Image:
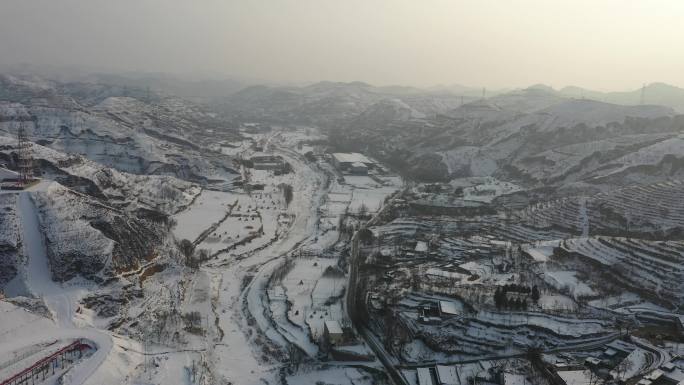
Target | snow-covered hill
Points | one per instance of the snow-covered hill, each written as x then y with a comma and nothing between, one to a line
533,136
164,135
326,103
130,192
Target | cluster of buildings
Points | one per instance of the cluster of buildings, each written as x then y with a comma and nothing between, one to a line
619,352
670,373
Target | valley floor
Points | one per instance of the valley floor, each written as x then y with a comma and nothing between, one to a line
251,310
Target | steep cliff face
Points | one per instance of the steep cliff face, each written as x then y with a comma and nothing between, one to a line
9,238
87,238
114,167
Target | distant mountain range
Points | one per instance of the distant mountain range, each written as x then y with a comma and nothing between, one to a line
653,94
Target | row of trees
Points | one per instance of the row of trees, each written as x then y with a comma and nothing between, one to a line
192,259
288,192
502,301
516,288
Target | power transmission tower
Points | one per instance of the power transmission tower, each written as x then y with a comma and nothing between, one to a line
25,159
643,95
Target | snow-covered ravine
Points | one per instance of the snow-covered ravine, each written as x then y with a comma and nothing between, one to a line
22,330
38,277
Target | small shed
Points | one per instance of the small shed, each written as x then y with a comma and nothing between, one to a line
333,332
447,308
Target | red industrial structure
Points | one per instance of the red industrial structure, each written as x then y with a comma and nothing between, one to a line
42,367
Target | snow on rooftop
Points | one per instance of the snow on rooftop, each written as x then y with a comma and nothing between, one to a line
540,254
351,157
447,375
654,375
421,247
424,377
448,307
575,377
333,327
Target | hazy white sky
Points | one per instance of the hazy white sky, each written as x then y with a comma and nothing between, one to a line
604,44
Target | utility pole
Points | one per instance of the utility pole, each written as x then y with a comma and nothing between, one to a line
25,159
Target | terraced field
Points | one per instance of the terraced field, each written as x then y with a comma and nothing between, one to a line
655,268
652,210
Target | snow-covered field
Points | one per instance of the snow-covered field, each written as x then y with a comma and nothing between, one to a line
368,194
567,280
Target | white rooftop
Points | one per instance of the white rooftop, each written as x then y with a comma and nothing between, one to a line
448,307
351,157
447,375
575,377
538,255
424,377
333,327
421,246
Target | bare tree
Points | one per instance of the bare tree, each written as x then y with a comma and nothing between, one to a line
363,210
